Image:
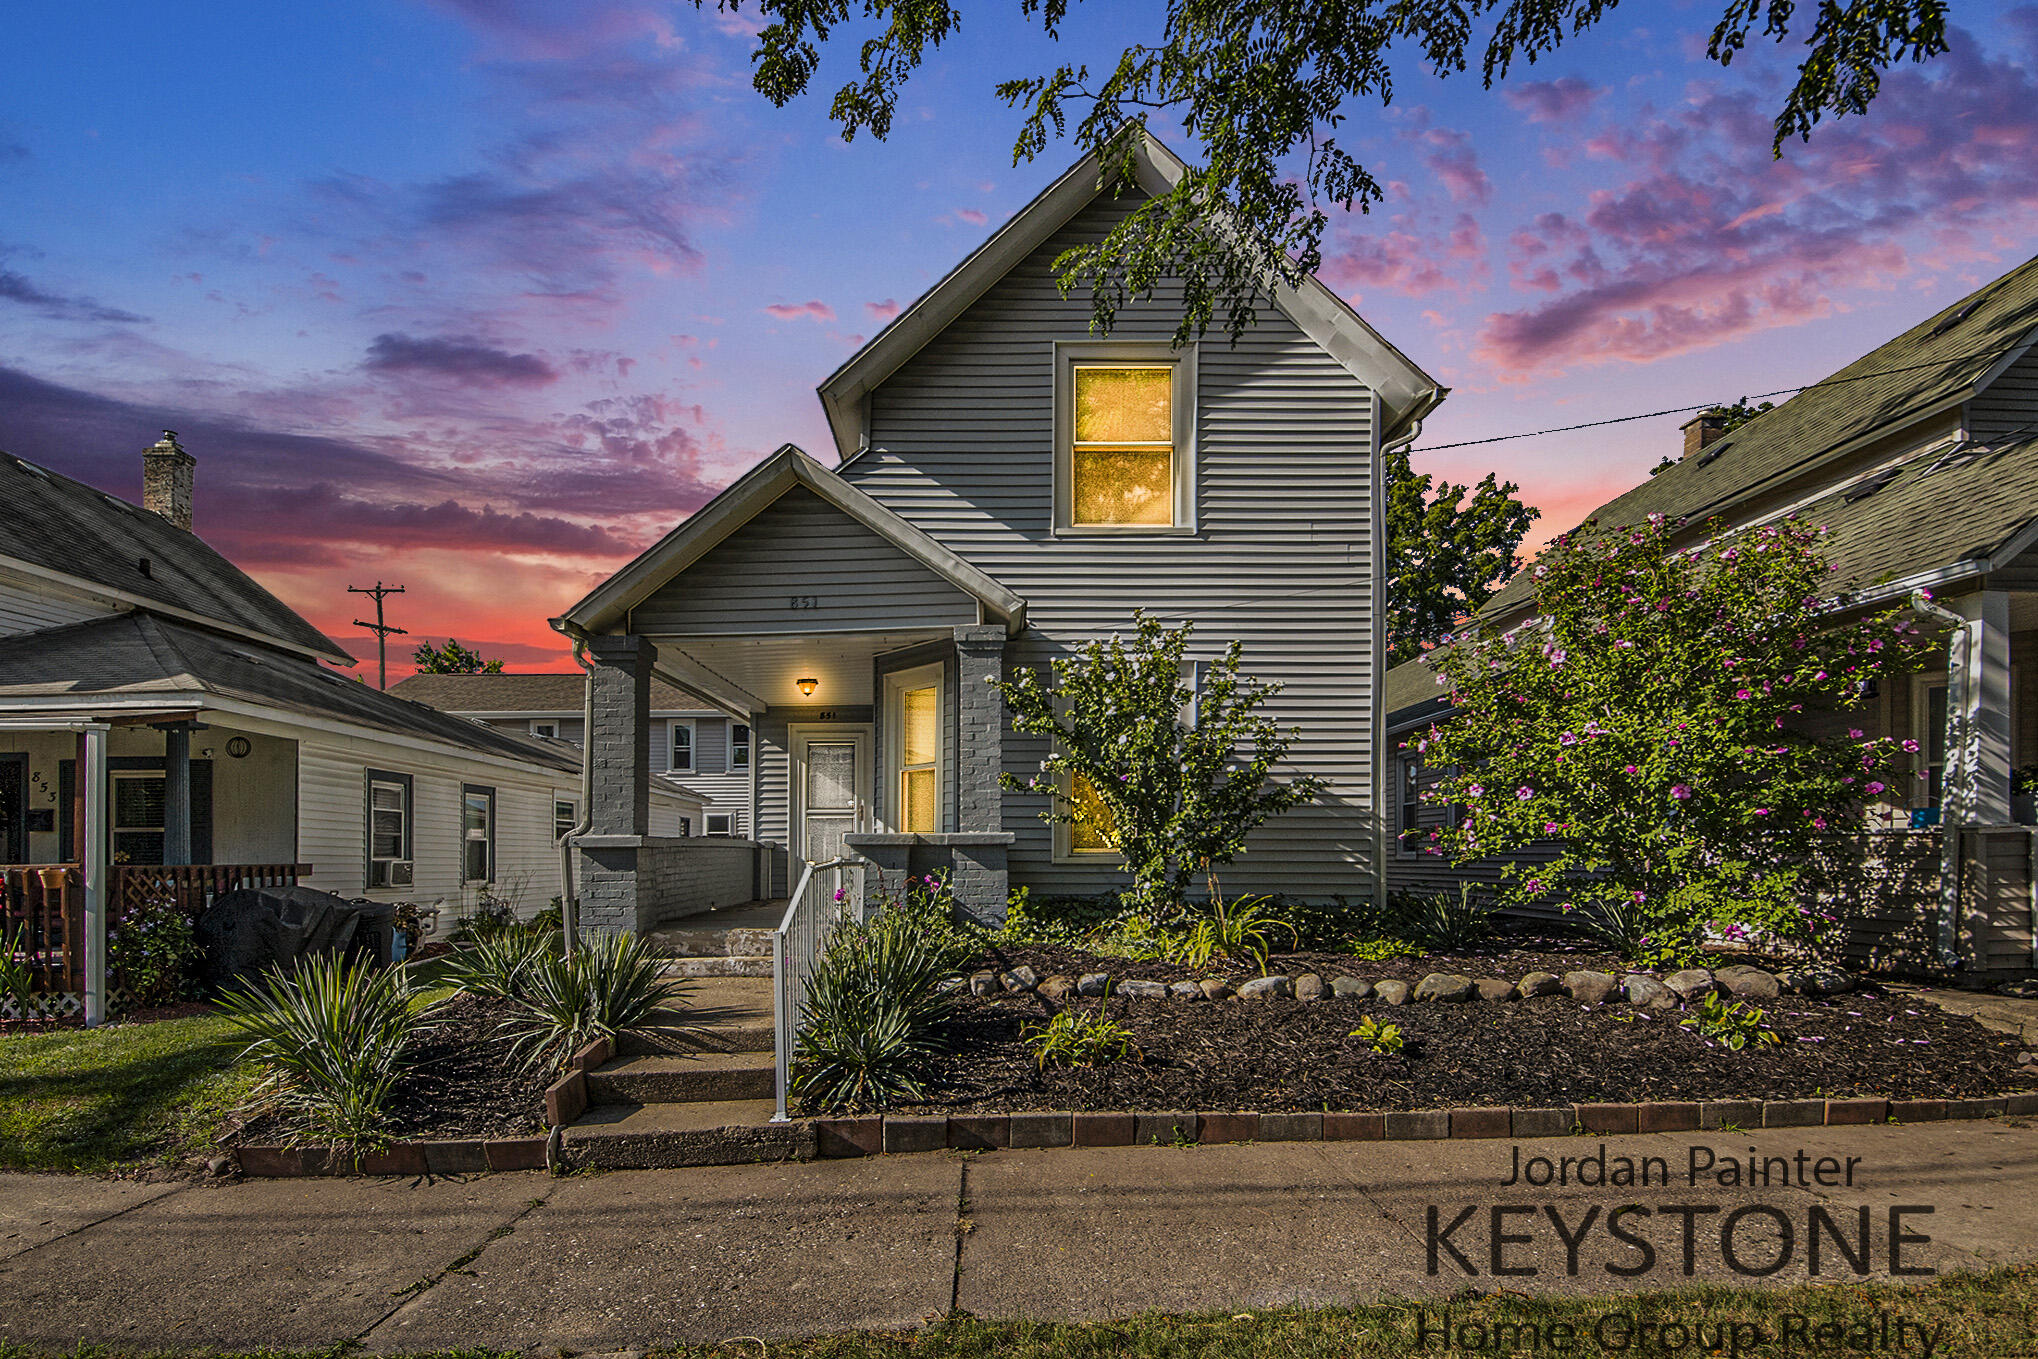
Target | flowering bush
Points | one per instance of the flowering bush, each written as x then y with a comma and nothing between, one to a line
1176,798
152,952
1657,722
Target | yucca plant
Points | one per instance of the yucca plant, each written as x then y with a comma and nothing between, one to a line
498,965
612,984
872,1020
1446,921
331,1037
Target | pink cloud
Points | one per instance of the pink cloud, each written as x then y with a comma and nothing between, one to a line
1548,101
1452,160
1412,261
1710,239
801,311
882,311
972,216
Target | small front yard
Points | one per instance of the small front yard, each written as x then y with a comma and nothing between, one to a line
130,1096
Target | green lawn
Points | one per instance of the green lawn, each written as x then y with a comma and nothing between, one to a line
127,1095
1987,1316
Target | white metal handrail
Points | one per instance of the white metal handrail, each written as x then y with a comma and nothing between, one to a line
825,894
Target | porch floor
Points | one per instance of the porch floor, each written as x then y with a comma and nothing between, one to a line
732,942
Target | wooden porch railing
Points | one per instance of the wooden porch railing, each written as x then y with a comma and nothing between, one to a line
192,886
42,914
42,906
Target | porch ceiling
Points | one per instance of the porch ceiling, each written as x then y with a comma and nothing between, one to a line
769,667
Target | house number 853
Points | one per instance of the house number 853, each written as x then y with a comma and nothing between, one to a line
806,601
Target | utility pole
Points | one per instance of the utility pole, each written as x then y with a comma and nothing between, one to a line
379,628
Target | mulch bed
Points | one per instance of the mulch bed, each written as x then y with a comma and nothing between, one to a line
461,1082
1286,1055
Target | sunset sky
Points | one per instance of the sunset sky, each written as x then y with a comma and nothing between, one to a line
482,296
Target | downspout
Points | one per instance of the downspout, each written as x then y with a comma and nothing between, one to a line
569,897
1957,645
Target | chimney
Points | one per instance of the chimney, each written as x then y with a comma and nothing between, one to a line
166,480
1703,429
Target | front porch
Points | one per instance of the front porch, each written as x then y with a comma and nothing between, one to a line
864,657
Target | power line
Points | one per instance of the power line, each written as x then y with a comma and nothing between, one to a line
1711,405
381,629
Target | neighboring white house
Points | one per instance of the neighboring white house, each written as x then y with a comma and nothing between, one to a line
698,748
228,742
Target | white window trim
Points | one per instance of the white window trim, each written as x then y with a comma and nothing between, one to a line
1067,354
672,764
935,674
538,729
486,836
729,829
1404,845
746,745
571,819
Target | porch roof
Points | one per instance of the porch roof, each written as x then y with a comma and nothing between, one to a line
138,656
609,605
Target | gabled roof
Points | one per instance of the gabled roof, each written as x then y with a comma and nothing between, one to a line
1932,367
547,693
611,602
139,654
66,530
1406,392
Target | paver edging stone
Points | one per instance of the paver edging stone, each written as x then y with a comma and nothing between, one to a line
896,1133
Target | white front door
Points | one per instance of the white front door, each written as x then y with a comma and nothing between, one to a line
831,770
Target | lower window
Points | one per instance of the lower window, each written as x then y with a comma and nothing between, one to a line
477,827
138,801
721,823
1096,832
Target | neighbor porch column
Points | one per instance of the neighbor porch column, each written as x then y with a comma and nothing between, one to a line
619,744
176,794
980,723
1978,754
92,856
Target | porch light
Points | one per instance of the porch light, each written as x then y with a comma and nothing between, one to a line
806,684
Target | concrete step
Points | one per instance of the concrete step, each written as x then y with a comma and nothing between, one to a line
710,1014
656,1136
680,942
719,966
682,1078
672,1039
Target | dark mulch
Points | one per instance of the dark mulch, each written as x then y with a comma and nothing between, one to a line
461,1081
1290,1055
1511,955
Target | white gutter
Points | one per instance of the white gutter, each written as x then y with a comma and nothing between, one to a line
569,896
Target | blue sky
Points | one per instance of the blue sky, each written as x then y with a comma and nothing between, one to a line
484,296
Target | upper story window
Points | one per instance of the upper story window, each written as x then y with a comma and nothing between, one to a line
545,729
682,747
739,746
1124,452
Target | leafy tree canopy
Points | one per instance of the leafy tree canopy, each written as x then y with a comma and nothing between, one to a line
1674,723
452,659
1446,553
1257,82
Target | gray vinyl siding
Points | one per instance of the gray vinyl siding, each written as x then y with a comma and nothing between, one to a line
1283,558
28,605
2008,407
801,548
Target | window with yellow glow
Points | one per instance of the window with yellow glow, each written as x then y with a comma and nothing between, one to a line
1122,454
919,759
1095,832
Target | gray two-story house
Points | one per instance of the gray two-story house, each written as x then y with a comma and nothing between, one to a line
1009,486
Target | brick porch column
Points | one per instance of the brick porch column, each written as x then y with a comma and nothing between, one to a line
618,751
980,714
619,744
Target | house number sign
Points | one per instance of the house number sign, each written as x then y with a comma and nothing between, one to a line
805,602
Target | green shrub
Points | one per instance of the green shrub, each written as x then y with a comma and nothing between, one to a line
1733,1024
152,952
1244,931
498,965
1383,1038
17,972
1379,949
330,1039
872,1021
612,984
1081,1038
1063,920
1444,921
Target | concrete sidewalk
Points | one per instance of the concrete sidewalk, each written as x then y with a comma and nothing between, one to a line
631,1259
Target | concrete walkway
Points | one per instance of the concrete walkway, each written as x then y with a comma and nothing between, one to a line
631,1259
